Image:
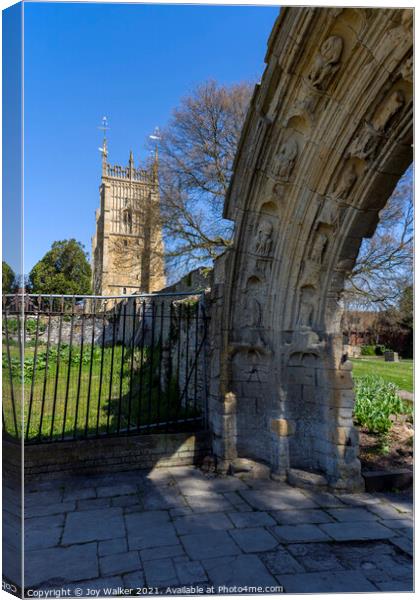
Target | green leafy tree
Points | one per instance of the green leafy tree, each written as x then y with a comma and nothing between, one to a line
8,278
63,270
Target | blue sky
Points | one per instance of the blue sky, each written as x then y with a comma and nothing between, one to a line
132,63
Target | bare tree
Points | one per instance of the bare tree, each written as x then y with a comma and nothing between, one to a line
196,153
384,267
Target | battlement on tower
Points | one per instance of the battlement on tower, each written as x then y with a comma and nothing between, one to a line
134,174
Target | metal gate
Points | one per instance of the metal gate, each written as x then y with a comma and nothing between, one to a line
88,366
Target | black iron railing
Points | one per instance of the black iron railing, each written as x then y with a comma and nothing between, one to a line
87,366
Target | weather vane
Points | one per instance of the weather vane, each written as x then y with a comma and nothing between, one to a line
104,127
155,135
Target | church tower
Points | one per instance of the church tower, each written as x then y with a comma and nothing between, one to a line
127,248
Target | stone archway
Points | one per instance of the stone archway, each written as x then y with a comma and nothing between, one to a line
326,139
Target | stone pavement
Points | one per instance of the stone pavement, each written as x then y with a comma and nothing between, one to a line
181,527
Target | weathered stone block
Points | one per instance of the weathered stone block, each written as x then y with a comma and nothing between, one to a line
282,427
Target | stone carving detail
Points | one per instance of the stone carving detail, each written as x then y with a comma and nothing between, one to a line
306,307
264,239
388,110
249,365
345,183
286,158
319,247
365,144
251,318
326,63
407,70
329,214
252,310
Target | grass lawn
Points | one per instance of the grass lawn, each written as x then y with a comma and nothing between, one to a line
400,373
94,392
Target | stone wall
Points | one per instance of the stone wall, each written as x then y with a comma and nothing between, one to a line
105,455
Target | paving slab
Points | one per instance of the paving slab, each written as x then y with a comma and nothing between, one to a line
93,525
364,549
323,499
93,503
281,499
103,586
118,564
402,501
326,582
70,564
42,498
237,501
201,522
197,486
295,517
115,546
399,524
209,544
160,573
41,523
316,557
254,539
79,494
251,519
182,511
137,521
359,499
404,544
40,510
189,571
396,586
174,551
209,502
352,514
362,530
46,538
281,562
127,500
163,501
152,536
116,490
244,570
300,533
134,580
384,510
378,567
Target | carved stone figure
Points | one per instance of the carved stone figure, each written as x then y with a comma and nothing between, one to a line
286,158
264,240
307,307
319,247
326,62
365,144
345,183
253,309
390,108
329,213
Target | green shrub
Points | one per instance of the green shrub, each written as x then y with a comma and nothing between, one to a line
367,350
376,401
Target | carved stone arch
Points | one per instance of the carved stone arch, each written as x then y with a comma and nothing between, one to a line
352,122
